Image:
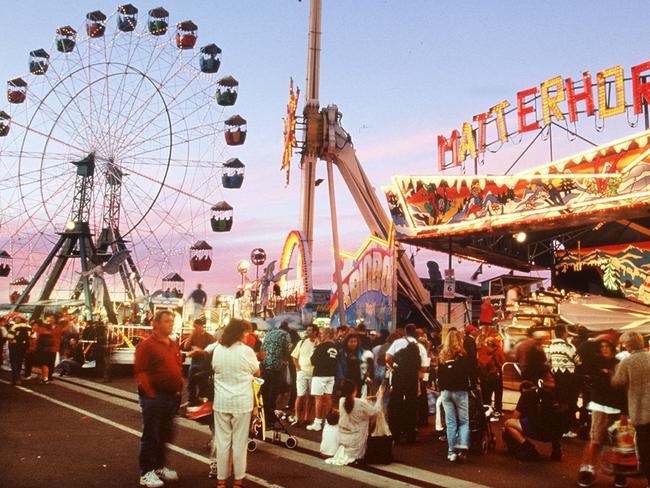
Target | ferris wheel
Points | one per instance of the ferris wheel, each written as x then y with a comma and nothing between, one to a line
148,105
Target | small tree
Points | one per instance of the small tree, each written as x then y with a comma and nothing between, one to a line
610,278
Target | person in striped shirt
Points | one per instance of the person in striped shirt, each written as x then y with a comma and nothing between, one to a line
563,366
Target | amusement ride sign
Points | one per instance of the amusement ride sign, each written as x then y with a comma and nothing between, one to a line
367,286
561,99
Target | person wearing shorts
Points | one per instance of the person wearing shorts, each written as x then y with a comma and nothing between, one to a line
322,383
301,357
606,405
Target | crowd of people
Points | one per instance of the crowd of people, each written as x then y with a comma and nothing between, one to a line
58,342
337,381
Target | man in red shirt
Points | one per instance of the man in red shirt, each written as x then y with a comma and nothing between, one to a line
160,382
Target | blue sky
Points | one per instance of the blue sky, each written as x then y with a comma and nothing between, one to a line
401,72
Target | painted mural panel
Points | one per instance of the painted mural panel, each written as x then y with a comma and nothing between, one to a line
367,287
611,177
625,267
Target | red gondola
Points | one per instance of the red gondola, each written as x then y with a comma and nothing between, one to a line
201,256
235,130
95,23
17,286
186,34
16,90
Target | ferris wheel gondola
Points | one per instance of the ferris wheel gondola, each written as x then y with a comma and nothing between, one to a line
143,104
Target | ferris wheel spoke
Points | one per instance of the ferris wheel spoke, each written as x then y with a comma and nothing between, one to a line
46,136
161,134
55,112
166,108
178,163
71,131
138,110
87,126
33,211
178,143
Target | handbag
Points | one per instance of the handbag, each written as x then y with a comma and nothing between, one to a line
619,454
380,443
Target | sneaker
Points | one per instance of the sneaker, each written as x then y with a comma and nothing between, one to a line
293,420
317,426
203,410
452,457
151,480
213,470
586,476
442,438
570,435
167,474
44,381
620,481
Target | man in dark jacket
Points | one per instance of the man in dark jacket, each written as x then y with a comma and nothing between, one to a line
469,344
405,357
19,336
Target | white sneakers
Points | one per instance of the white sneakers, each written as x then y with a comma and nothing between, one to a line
452,457
317,426
167,474
156,479
151,480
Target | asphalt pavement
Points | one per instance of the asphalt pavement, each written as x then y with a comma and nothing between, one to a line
76,432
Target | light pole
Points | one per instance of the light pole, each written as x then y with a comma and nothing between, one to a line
242,268
258,258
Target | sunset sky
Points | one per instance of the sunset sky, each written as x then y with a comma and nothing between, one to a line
400,72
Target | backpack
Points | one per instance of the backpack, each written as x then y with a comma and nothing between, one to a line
550,412
21,338
406,365
44,342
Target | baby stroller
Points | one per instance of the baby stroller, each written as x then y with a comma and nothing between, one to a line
481,436
258,422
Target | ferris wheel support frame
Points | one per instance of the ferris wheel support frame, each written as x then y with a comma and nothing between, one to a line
77,234
110,235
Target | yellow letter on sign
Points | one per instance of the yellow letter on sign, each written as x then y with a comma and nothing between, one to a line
549,102
467,143
604,109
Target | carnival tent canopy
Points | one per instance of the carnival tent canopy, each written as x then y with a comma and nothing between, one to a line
598,313
598,197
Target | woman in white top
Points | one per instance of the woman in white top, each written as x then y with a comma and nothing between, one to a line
355,414
234,365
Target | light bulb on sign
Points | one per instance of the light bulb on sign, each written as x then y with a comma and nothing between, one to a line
520,237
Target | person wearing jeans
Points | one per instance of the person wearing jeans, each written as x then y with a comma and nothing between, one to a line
456,405
455,379
159,377
158,414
